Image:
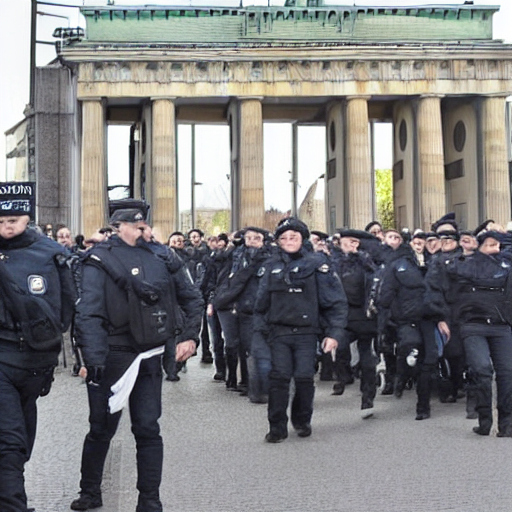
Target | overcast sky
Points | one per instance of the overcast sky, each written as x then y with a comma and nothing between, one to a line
15,39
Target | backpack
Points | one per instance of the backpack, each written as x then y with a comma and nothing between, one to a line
35,318
151,317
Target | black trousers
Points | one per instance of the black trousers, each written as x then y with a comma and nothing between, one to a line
489,349
19,391
291,356
367,360
145,410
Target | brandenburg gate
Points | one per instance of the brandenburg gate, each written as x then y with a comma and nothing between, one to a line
433,71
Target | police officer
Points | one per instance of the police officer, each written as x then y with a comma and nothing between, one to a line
233,299
480,299
402,300
108,342
438,287
301,299
35,287
197,261
356,270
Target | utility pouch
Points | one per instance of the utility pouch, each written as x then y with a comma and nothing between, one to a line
151,320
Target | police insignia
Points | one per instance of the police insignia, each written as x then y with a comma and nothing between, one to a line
261,271
36,285
324,268
135,271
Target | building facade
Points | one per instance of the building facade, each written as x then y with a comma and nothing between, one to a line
433,71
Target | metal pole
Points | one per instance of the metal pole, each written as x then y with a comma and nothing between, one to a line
295,168
33,31
193,176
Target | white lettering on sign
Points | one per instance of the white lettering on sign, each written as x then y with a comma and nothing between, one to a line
21,205
13,188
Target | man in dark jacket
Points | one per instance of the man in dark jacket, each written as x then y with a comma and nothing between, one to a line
110,345
36,304
196,261
233,299
480,300
438,287
356,270
402,301
300,299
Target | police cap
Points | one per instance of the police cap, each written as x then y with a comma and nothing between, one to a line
292,224
131,215
484,235
355,233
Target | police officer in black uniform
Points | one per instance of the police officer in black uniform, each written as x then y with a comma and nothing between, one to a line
438,286
300,299
356,270
108,342
233,299
480,299
402,300
36,304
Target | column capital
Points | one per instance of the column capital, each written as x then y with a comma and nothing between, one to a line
495,95
432,95
170,98
99,99
245,98
366,97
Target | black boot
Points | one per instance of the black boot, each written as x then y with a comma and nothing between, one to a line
86,501
278,397
232,364
423,390
398,387
302,406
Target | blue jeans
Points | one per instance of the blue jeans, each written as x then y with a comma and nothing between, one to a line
145,410
489,347
19,390
259,364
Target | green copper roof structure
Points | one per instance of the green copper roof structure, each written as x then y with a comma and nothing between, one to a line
337,23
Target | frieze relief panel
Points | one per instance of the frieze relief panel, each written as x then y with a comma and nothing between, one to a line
292,71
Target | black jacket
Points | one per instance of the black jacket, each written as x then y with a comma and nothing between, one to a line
356,271
237,282
403,288
300,294
478,288
102,318
38,266
438,286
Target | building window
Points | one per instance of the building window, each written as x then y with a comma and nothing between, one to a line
459,136
402,135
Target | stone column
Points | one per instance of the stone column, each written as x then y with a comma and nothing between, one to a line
358,158
495,164
93,195
250,163
431,161
163,179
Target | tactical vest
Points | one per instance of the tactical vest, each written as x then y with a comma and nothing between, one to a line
293,299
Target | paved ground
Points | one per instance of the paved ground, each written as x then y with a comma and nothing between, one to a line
217,461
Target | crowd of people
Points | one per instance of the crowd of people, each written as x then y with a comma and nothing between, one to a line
270,310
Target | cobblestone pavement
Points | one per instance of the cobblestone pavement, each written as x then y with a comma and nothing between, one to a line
217,461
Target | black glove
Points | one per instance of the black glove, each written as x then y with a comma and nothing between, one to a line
94,375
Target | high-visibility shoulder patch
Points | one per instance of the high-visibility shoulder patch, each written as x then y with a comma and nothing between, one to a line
36,284
261,272
324,268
